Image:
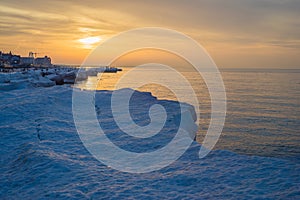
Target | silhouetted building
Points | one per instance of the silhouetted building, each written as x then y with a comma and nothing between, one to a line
27,60
15,60
43,61
6,57
11,60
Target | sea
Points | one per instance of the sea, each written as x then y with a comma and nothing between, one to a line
263,106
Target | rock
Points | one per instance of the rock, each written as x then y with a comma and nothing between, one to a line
58,79
92,72
69,77
81,76
69,81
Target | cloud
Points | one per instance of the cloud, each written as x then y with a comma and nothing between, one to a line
240,23
245,18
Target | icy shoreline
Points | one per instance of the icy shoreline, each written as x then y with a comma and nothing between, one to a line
42,157
48,77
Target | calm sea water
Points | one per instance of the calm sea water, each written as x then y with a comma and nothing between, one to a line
263,108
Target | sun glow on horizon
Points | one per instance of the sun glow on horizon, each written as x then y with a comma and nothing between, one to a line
89,41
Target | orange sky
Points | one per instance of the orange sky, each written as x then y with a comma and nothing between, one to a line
236,33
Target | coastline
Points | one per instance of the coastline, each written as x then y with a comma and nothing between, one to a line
55,164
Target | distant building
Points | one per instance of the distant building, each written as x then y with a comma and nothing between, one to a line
6,57
11,60
43,61
27,60
15,60
1,60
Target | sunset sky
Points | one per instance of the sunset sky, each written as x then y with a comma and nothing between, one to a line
236,33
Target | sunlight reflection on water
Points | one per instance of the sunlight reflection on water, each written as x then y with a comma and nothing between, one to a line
263,109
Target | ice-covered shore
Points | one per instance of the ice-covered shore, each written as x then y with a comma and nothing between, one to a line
47,77
42,157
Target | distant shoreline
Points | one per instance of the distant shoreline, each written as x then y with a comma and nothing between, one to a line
261,70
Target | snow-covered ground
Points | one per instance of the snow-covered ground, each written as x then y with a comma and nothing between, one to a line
22,78
42,157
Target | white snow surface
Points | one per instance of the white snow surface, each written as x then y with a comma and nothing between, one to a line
39,78
42,157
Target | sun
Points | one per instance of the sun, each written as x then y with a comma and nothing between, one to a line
89,41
